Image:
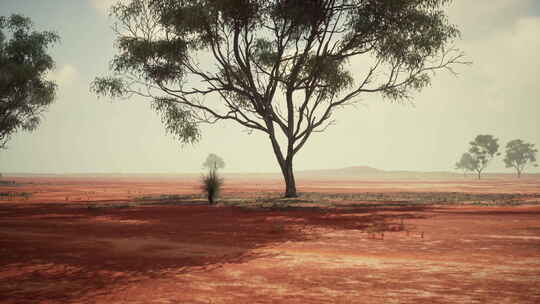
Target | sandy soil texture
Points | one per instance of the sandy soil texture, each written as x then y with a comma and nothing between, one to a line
122,240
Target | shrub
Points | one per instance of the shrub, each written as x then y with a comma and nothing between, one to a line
211,184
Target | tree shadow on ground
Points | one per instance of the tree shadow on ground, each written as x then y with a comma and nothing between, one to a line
81,252
500,212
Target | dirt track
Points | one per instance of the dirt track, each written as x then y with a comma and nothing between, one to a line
60,246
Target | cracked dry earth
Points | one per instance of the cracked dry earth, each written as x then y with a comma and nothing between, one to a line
68,253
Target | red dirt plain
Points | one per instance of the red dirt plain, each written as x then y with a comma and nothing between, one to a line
93,240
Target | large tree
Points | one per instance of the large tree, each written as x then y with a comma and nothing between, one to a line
519,154
279,67
25,93
482,150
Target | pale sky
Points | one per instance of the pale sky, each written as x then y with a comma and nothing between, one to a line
499,95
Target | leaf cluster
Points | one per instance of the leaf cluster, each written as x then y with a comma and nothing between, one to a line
177,120
214,162
466,163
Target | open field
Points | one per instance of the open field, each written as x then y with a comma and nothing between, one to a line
151,240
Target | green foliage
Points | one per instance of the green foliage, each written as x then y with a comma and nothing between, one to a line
213,162
25,93
265,52
211,185
211,182
466,163
519,154
111,86
484,145
177,120
482,150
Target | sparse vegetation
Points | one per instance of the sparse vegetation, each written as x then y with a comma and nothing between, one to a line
96,207
166,197
519,154
12,195
482,150
327,201
211,185
212,182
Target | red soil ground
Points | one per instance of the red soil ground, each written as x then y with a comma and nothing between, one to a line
55,249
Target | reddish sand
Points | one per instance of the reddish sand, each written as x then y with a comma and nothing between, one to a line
54,248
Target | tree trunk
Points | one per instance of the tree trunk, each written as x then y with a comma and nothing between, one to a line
286,165
288,176
479,172
519,173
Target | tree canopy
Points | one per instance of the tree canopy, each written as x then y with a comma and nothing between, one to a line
214,162
519,154
466,163
280,67
482,150
25,93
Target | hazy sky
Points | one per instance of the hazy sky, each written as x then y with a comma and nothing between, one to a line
499,94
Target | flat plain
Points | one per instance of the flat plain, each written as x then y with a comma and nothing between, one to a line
152,239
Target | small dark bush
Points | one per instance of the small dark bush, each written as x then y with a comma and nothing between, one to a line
211,184
11,194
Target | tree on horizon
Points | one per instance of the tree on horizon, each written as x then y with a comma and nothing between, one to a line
519,154
213,162
482,150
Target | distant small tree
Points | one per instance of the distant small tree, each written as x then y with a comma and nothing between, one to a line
212,182
482,150
519,154
465,163
25,93
213,161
